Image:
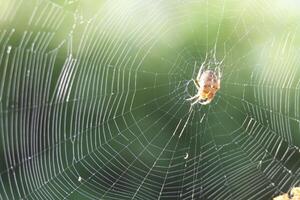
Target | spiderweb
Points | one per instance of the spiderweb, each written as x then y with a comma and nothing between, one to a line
93,102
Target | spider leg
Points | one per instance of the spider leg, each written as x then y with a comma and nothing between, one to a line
195,102
191,98
192,104
200,71
196,83
218,72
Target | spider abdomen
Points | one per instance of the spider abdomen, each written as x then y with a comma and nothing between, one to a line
209,85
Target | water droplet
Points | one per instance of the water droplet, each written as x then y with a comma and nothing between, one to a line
8,49
186,156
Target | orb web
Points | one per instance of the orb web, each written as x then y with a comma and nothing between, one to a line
93,100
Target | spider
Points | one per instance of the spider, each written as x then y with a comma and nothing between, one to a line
207,83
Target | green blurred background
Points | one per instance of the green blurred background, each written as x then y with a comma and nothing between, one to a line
93,99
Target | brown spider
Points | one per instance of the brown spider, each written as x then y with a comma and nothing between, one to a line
207,83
